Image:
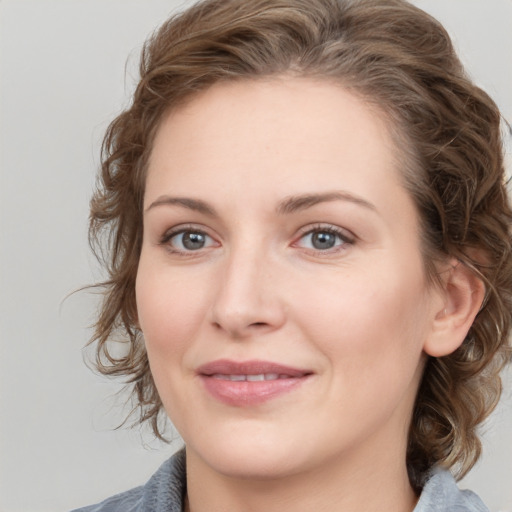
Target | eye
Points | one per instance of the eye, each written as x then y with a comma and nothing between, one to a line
187,240
324,239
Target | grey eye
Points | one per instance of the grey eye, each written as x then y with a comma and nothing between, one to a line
193,241
190,240
323,240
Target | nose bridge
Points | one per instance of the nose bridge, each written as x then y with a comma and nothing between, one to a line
247,299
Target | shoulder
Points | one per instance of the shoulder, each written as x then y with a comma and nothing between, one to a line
163,492
441,494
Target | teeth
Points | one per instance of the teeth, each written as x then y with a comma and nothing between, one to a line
235,377
254,378
250,378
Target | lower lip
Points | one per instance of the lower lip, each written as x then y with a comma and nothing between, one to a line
246,393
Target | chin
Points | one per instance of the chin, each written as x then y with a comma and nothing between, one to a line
249,459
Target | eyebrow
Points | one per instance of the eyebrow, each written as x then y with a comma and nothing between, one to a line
287,206
302,202
186,202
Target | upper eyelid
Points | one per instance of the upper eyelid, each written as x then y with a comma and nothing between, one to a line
344,232
180,228
165,240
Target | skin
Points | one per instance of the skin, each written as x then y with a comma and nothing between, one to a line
360,315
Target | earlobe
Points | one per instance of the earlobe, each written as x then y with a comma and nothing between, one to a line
462,296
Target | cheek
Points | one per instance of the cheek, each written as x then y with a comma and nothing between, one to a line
372,341
372,320
170,308
171,311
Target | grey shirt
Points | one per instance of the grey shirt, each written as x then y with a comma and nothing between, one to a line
165,491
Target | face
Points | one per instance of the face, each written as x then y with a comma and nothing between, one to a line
281,288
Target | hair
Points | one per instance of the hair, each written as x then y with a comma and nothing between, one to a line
448,141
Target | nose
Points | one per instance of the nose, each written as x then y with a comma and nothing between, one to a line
248,296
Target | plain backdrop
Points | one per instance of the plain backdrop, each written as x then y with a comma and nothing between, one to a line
64,75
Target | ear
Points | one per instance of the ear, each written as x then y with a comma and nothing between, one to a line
461,296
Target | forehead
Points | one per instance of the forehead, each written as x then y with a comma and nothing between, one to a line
302,132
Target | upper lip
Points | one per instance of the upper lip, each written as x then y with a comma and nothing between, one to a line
254,367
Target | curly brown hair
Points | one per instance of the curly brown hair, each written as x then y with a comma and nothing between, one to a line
447,133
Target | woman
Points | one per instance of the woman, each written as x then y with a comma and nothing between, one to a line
309,258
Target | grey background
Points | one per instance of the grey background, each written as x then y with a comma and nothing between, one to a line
63,76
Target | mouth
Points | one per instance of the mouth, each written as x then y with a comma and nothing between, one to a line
250,377
249,383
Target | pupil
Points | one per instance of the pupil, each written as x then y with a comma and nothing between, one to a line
193,240
323,240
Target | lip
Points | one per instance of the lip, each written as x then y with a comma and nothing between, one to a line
216,377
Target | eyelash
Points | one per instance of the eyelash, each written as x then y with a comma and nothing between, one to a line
341,234
346,238
180,230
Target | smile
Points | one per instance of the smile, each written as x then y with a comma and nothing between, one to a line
250,377
249,383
